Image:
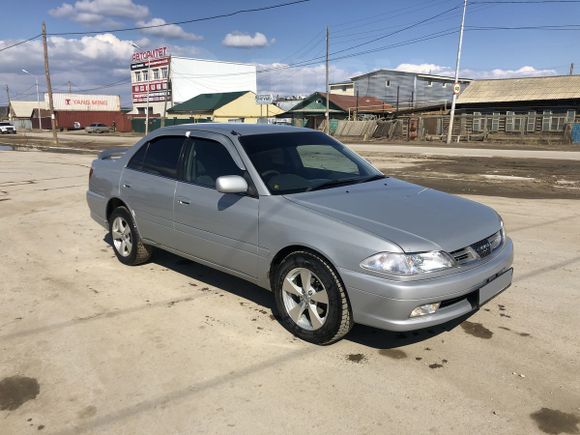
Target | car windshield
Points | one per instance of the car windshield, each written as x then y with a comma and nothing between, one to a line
5,123
305,161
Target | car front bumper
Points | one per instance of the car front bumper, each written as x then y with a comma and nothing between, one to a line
387,303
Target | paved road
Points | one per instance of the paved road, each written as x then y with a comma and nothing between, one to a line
468,152
89,346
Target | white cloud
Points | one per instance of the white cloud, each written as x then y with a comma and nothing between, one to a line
246,40
497,73
88,62
425,68
97,11
296,81
171,31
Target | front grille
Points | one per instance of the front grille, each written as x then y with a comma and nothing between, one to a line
478,250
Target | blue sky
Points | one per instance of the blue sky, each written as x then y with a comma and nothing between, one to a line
284,36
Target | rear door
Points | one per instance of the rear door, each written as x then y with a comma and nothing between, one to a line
148,187
213,226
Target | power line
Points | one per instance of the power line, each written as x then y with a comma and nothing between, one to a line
561,27
16,44
523,2
193,20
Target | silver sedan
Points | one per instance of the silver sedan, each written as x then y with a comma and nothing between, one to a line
297,212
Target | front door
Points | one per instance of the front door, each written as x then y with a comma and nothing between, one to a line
213,226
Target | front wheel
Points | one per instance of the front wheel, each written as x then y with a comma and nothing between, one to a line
311,299
127,243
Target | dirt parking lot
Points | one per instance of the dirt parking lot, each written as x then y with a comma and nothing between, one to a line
88,345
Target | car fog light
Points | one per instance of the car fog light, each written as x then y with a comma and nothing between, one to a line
423,310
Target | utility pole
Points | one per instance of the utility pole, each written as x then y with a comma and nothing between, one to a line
69,87
148,90
456,83
49,85
397,99
167,93
327,112
8,96
572,69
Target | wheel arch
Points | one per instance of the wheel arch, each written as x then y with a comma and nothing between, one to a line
112,204
284,252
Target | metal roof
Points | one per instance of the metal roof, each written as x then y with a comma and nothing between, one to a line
207,102
521,89
24,109
418,74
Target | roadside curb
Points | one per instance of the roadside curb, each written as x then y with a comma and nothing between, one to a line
51,149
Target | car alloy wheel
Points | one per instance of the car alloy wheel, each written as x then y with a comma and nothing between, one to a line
305,299
122,238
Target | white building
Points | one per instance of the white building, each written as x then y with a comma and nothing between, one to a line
172,79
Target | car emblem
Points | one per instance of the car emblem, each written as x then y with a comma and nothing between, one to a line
482,248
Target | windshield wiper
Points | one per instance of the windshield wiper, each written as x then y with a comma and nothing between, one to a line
344,181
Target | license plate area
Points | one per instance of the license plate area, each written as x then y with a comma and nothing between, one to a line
495,287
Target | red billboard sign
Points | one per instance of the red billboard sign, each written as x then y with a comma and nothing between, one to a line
149,55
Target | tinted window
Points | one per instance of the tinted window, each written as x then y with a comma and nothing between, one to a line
163,155
208,160
138,158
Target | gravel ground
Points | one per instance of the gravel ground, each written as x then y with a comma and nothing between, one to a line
88,345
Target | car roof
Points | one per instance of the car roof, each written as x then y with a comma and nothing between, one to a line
235,129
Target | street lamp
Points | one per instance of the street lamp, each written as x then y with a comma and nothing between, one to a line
37,97
148,85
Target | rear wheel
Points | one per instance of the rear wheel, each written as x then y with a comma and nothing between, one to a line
311,299
127,243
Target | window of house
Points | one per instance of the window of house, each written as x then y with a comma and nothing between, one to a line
155,74
163,155
547,120
430,83
531,125
495,121
477,124
388,84
145,76
570,116
137,76
164,72
206,161
558,123
509,121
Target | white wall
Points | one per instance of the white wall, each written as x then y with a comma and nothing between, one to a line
191,77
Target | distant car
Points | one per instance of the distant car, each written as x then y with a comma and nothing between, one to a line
7,128
98,128
297,212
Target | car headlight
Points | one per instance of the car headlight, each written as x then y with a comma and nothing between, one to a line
408,264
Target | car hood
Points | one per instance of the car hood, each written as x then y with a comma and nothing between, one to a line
414,217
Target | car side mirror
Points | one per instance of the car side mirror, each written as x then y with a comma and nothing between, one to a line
231,184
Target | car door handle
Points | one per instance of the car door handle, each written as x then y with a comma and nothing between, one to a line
183,202
127,186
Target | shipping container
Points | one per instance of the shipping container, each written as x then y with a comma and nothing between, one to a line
66,119
85,103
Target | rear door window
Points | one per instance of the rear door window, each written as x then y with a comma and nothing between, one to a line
162,156
138,158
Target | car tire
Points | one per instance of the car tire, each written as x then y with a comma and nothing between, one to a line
127,243
318,312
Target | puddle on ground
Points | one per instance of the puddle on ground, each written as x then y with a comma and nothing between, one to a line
356,357
554,421
393,353
6,148
476,329
16,390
